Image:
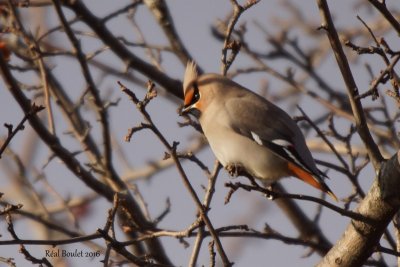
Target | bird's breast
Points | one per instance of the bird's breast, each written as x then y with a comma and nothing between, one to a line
231,147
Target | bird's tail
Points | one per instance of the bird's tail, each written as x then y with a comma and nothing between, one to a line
311,179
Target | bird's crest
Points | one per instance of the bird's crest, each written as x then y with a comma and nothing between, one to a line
190,74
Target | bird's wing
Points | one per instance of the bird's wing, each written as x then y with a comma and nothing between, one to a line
266,124
269,126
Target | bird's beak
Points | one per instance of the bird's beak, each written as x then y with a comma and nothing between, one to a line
192,109
185,110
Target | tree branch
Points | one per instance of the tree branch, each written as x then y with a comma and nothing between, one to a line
171,150
12,132
160,11
352,90
361,238
171,85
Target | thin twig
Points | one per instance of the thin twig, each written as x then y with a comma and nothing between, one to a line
102,111
13,131
234,46
277,195
171,150
207,201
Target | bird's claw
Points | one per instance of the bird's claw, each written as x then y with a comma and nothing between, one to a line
270,191
234,169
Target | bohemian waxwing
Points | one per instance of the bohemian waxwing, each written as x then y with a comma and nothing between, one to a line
246,130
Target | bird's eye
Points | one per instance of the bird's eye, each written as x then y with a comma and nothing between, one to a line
196,95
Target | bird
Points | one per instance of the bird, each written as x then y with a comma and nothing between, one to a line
246,130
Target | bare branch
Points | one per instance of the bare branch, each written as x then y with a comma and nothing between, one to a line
172,152
352,90
161,12
12,132
230,44
381,7
380,205
171,85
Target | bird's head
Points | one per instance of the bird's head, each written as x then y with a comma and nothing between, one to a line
201,90
191,92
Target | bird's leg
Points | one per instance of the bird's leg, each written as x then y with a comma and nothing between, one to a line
231,169
234,169
270,188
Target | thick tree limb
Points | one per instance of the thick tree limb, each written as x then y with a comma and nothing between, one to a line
381,203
